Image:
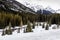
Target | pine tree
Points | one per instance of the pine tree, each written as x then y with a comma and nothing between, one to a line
49,22
37,23
33,25
29,28
58,24
40,24
21,23
43,25
47,28
6,31
50,25
18,30
9,29
3,33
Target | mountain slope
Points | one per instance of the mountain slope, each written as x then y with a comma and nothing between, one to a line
44,12
13,5
50,9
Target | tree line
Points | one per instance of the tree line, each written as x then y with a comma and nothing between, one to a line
18,19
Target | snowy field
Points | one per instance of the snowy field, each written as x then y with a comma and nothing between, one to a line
37,34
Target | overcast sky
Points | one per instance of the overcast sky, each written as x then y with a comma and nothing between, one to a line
54,4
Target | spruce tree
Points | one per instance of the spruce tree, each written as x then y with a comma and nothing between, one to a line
18,30
43,25
6,31
33,25
28,28
50,25
9,29
3,33
40,24
37,23
58,24
21,23
47,27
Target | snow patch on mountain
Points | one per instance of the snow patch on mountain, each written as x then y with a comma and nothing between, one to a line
38,4
50,9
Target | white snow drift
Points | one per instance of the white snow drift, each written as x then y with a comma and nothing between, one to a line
37,34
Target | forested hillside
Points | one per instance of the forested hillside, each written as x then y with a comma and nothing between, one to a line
11,12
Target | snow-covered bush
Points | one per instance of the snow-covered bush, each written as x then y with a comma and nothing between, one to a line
54,27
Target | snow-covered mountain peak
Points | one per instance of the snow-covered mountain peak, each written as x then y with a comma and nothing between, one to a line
50,9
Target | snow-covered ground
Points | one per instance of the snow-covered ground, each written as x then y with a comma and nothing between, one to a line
37,34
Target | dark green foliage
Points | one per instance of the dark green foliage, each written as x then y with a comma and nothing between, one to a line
15,19
6,17
51,18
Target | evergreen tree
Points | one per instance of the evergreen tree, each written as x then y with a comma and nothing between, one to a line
47,28
6,31
28,28
58,24
33,25
37,23
40,24
3,33
18,30
43,25
9,31
21,23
